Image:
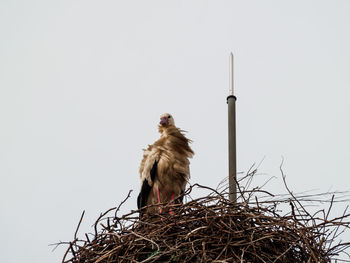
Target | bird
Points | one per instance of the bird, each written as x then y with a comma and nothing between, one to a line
164,169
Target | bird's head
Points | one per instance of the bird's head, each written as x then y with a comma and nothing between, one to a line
166,120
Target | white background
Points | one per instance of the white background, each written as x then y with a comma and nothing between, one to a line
82,85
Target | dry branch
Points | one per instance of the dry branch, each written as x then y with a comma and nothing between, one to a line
212,229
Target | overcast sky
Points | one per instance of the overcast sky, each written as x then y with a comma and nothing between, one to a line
83,83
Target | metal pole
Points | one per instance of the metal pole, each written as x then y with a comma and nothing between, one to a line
232,157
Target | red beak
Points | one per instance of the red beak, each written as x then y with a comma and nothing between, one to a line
163,121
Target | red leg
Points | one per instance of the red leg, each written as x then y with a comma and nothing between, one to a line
158,194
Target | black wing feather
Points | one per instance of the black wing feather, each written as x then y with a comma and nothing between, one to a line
146,189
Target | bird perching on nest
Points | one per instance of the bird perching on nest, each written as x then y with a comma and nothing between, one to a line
164,169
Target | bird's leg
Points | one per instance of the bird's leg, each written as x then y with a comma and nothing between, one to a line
171,212
158,194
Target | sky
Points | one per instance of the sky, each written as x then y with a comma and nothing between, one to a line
83,83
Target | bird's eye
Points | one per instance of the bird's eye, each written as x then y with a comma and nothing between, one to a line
169,117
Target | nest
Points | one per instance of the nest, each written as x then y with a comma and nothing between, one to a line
213,229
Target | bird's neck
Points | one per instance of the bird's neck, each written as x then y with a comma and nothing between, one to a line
164,131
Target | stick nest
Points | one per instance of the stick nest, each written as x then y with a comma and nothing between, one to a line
213,229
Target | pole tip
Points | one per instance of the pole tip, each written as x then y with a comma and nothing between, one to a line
231,75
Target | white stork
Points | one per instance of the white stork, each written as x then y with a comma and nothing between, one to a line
164,169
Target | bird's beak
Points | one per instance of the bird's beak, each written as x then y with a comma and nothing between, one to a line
163,121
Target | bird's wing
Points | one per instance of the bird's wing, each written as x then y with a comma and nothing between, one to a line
146,188
149,158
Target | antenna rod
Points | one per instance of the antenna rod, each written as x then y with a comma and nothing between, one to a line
232,157
231,75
